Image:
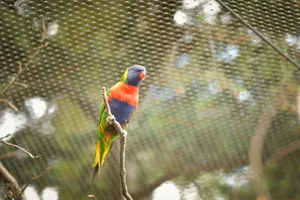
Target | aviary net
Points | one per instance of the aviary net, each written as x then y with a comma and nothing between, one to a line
218,115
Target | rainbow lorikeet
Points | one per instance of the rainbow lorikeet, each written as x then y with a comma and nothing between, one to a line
123,101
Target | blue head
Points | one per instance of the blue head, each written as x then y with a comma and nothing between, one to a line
134,75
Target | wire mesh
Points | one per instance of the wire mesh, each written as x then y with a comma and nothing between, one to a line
214,90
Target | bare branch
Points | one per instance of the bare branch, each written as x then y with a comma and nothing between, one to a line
5,136
20,69
41,174
22,84
10,104
107,107
44,33
256,148
13,190
36,177
123,169
24,150
112,122
289,148
10,178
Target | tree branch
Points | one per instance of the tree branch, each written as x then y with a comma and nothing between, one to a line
256,148
35,177
10,178
22,149
20,70
284,151
10,104
13,190
22,84
111,120
41,174
123,169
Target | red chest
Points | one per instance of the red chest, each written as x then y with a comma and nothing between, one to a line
125,93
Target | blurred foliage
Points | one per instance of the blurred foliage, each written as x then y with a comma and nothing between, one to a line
207,86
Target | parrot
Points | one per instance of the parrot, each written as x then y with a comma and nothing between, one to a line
123,100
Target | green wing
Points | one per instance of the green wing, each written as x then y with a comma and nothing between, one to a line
105,136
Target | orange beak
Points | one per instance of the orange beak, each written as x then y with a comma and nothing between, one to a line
142,75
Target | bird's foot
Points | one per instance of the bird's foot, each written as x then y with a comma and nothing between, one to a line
110,119
123,133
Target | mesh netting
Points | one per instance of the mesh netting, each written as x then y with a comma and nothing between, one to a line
217,115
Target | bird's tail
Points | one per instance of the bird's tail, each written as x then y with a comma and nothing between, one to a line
97,162
100,156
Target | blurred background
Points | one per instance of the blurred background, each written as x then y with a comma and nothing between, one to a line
219,110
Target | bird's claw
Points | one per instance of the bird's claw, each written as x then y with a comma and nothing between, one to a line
123,133
110,119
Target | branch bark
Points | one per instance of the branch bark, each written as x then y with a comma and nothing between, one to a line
13,106
111,120
255,151
41,174
13,190
284,151
256,146
7,176
22,149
